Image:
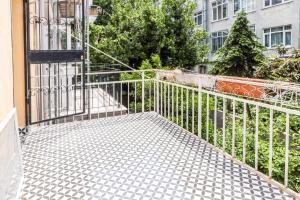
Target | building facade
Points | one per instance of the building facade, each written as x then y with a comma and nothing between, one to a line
275,22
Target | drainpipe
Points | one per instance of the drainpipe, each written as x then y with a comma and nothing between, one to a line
206,5
206,15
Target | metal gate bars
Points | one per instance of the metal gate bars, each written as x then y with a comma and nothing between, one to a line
55,59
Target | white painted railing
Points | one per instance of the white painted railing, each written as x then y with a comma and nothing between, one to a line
261,135
206,114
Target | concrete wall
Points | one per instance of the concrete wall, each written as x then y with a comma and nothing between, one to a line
283,14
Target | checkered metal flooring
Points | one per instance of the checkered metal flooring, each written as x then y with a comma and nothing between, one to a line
140,156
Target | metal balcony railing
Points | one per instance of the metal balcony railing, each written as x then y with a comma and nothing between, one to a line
258,134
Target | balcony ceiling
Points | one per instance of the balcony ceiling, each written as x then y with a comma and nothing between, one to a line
140,156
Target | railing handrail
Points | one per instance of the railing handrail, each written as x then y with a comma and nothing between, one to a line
248,101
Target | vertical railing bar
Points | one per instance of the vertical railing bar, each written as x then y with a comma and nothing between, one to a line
75,89
165,100
92,97
168,100
150,96
143,91
104,100
98,100
154,96
177,118
207,117
157,95
193,110
58,91
49,91
287,138
118,100
114,99
82,91
224,124
187,109
271,143
256,135
233,128
121,98
172,103
215,119
67,87
103,96
40,96
181,106
161,98
135,97
244,132
128,97
200,111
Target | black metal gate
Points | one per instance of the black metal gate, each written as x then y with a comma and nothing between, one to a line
55,35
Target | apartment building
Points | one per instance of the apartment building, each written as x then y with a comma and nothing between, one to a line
275,22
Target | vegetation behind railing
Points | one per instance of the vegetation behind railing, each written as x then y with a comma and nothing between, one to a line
241,127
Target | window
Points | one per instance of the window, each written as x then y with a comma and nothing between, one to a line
274,2
278,35
199,18
252,28
220,8
218,39
247,5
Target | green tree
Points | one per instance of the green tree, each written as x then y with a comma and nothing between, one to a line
184,42
104,14
241,52
138,29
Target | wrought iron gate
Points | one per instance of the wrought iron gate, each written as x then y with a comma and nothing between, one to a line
55,35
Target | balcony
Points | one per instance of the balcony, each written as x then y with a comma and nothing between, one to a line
160,139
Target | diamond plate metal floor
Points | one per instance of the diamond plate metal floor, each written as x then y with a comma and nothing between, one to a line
140,156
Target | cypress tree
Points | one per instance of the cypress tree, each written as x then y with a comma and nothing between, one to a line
241,52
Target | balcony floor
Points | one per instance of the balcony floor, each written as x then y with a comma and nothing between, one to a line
139,156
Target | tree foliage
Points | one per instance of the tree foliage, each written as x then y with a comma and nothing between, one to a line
241,52
138,29
104,14
282,69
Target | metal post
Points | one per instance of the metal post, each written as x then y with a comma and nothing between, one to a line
200,111
244,133
224,124
256,135
271,143
157,94
233,128
215,120
286,162
143,91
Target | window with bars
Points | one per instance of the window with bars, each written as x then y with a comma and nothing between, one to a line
281,35
220,9
218,39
